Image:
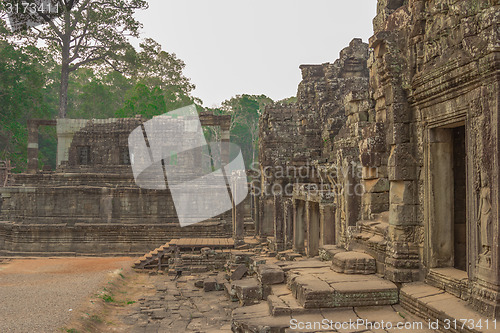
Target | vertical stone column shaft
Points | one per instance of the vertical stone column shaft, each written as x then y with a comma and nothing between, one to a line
32,146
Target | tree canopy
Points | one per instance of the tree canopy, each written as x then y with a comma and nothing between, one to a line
109,78
245,111
85,32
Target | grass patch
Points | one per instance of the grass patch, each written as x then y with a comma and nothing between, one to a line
107,298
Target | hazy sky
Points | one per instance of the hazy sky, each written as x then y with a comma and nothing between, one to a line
233,47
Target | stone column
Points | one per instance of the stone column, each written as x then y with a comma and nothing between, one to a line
238,212
225,149
32,146
279,236
288,223
257,213
327,224
312,224
298,226
267,217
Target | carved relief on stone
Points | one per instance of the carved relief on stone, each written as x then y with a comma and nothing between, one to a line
484,222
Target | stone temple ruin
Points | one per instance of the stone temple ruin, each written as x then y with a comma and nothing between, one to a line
391,153
379,186
91,205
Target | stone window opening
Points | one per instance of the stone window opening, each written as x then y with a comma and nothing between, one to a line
83,155
124,156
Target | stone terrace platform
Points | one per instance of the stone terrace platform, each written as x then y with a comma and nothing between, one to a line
163,253
308,296
198,243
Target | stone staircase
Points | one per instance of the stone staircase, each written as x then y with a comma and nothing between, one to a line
249,226
284,289
451,313
311,290
173,254
156,258
200,261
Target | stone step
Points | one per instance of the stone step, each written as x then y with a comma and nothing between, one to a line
248,291
269,274
431,303
256,318
354,263
277,307
451,280
327,252
312,292
152,256
330,290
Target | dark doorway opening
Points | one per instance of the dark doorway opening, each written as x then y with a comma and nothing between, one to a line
459,196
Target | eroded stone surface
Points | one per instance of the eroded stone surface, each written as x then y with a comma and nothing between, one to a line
354,263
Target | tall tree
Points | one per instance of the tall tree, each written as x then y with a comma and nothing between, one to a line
159,85
87,32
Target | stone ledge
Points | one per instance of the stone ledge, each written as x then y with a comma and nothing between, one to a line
429,302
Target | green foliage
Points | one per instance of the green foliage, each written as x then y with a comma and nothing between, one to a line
107,298
151,83
245,111
289,100
87,33
90,96
159,85
24,94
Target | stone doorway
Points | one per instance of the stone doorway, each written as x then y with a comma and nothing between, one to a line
447,197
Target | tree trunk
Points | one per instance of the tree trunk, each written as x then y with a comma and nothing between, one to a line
65,63
63,91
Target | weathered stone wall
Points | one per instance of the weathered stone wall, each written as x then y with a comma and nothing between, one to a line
295,138
428,114
91,204
64,239
435,69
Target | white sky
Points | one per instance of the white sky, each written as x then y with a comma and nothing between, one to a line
234,47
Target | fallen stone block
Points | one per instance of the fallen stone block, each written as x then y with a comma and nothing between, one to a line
239,257
231,293
209,284
270,274
239,272
248,291
292,256
327,252
199,284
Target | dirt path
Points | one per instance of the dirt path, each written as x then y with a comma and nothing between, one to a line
39,295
